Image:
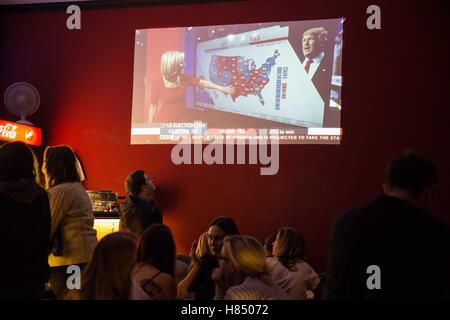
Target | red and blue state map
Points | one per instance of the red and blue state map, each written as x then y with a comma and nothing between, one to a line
242,74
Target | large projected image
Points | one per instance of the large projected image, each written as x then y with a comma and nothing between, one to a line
281,76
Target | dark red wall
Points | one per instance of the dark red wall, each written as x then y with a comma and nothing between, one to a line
395,96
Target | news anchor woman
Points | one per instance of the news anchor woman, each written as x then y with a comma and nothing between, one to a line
167,91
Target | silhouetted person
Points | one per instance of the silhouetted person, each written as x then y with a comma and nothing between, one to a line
26,223
396,233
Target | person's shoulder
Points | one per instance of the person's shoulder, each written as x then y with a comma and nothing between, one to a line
142,271
350,216
361,210
133,205
62,189
306,266
188,79
160,278
67,186
234,292
164,279
250,289
351,221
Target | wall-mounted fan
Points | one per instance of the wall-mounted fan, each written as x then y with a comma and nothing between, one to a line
22,99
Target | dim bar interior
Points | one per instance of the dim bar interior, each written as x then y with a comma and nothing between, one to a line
273,113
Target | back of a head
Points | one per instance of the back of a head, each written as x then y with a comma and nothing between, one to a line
157,247
412,173
60,165
134,182
203,245
247,254
17,161
108,274
268,242
290,247
227,224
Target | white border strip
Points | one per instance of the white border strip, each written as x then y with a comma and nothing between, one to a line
324,131
144,131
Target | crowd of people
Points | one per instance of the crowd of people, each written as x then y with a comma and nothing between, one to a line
49,226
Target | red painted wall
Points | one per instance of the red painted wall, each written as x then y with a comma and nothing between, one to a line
395,96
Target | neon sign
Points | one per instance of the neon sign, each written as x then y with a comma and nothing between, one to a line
12,131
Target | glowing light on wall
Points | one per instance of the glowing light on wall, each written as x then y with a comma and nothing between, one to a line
12,131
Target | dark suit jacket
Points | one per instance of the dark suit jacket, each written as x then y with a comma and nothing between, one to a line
322,81
322,78
408,244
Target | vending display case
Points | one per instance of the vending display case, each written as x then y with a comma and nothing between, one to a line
105,204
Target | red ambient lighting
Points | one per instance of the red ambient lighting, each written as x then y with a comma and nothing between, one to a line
12,131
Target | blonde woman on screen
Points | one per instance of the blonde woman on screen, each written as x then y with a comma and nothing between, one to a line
167,92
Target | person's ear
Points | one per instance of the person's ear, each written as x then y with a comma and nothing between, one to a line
233,268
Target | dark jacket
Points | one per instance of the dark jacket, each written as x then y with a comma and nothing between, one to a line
322,79
408,244
137,214
24,239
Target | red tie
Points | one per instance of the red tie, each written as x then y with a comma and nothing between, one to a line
308,64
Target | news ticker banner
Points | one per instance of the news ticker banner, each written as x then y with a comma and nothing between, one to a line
13,131
173,132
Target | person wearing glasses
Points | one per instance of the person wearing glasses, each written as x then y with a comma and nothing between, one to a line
199,279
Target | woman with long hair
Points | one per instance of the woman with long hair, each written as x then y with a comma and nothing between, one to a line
72,231
244,273
200,248
107,276
288,268
198,279
155,269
